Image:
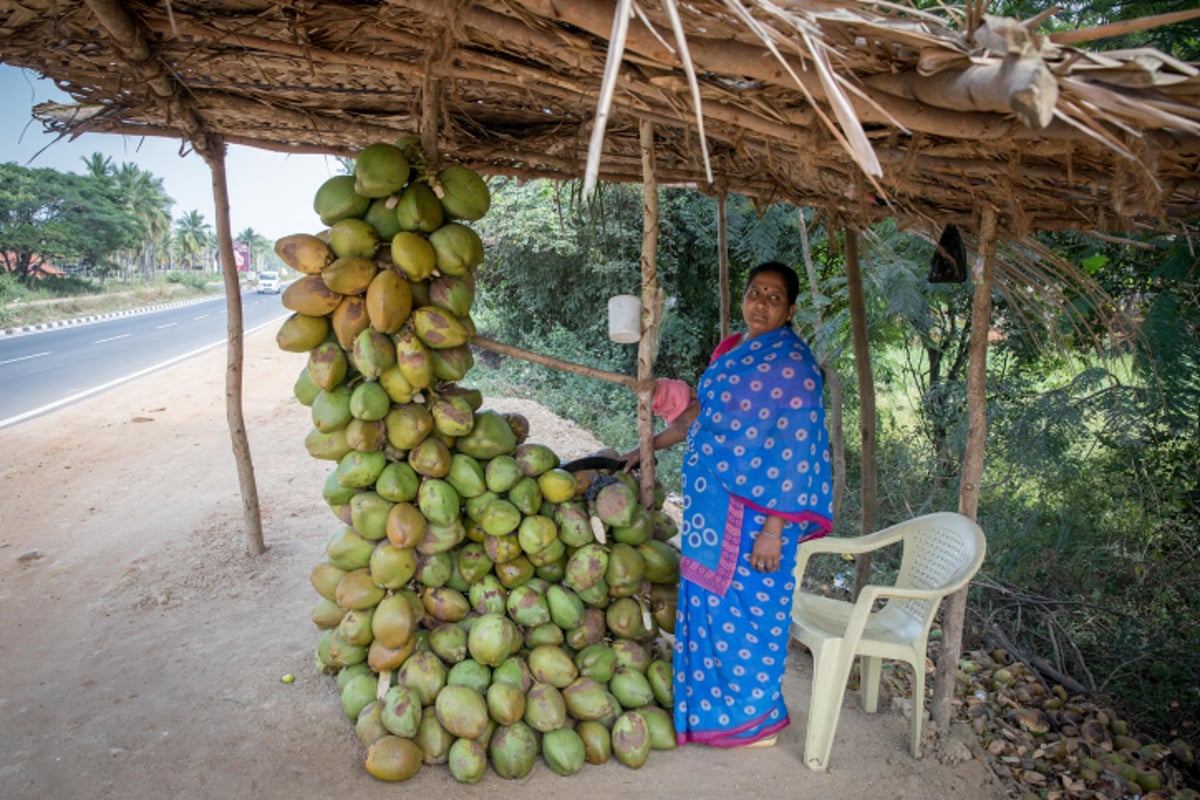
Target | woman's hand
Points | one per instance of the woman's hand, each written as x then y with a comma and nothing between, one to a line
768,546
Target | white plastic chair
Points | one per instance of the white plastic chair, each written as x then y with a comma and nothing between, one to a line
941,553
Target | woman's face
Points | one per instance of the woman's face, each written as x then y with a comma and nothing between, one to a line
765,305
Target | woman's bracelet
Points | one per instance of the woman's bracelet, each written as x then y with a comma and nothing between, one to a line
767,535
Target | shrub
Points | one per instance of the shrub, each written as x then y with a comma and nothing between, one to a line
193,280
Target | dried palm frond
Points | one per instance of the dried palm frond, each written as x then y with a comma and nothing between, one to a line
616,51
685,57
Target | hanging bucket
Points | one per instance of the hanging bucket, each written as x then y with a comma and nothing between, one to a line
625,318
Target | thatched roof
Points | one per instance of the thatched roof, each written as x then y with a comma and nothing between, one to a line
863,110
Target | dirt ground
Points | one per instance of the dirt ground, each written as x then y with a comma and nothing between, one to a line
141,649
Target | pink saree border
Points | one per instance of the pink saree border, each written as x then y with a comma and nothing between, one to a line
733,738
717,581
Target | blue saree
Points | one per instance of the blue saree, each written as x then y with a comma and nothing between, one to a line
758,447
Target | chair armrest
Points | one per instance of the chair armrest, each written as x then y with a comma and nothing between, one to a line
873,592
845,544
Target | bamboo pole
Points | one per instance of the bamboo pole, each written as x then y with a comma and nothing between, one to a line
552,362
866,394
972,468
214,154
723,260
650,313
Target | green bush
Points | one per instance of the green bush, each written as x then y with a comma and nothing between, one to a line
11,289
193,280
11,292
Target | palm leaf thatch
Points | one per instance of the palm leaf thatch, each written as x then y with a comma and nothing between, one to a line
863,110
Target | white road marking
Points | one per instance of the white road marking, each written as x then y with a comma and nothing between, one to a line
24,358
167,325
4,423
112,338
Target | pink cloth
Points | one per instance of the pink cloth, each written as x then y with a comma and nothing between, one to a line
725,345
671,398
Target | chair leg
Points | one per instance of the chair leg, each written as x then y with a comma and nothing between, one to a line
869,667
830,671
918,705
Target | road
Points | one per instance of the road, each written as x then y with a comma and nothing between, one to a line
49,369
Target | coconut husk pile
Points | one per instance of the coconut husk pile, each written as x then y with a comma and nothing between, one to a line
863,110
1046,741
1042,733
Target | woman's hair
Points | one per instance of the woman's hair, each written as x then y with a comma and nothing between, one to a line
791,280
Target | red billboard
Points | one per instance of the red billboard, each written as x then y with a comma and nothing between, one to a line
241,256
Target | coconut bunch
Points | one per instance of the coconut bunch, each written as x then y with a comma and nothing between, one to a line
479,604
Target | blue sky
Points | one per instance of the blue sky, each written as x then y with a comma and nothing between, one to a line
269,192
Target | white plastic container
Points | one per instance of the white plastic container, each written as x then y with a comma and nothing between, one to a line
625,318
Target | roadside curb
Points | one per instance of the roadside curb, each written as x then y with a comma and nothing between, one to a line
42,327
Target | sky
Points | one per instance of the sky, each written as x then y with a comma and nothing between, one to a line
269,192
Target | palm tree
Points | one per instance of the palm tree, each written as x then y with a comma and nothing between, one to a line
98,165
193,237
146,199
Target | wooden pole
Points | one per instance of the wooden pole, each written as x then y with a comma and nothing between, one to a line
431,100
955,609
650,314
1123,27
214,154
145,70
833,381
552,362
866,395
723,260
981,313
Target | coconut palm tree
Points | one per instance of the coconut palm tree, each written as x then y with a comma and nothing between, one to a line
98,165
193,238
146,199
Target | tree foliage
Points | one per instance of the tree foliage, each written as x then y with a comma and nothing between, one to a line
61,218
553,262
146,199
192,239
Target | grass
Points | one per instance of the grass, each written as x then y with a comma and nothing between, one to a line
57,299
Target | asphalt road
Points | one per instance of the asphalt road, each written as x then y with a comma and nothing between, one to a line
42,371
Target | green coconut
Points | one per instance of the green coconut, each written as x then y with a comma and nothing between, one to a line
463,193
336,199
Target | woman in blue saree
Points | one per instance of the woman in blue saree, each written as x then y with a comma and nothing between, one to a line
756,481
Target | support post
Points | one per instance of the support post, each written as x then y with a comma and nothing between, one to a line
955,608
723,261
651,304
866,395
431,109
833,381
214,154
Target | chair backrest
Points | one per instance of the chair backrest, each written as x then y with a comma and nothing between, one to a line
940,551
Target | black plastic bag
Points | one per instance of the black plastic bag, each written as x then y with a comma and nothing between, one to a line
949,262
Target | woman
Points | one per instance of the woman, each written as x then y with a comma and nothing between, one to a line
756,481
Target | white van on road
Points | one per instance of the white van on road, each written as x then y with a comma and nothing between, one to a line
268,283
